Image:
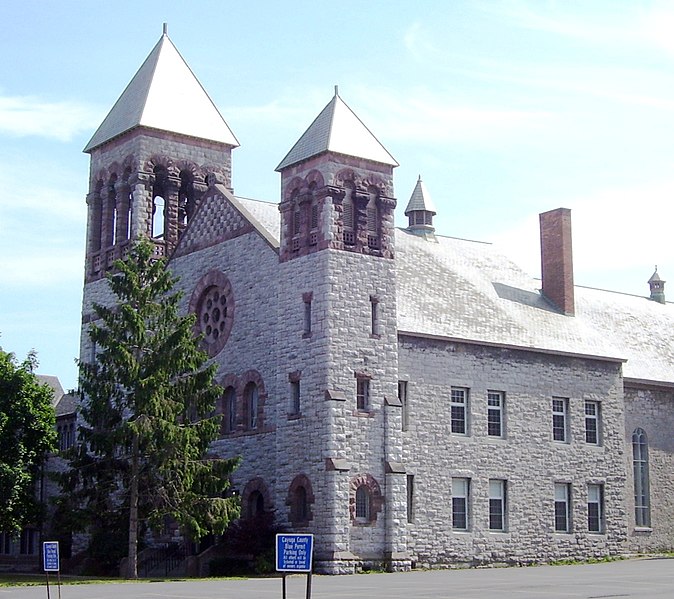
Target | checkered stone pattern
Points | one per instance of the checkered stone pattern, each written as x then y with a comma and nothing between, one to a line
216,221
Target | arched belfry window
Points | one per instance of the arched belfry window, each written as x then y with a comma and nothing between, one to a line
97,217
158,215
159,196
642,508
348,214
110,218
185,198
372,212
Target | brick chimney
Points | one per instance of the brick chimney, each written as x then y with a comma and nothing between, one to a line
557,259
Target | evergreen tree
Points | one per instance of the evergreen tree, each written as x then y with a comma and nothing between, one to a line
27,435
149,414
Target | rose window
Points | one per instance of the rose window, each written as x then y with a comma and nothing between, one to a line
213,304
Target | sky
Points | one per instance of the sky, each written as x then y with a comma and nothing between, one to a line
506,109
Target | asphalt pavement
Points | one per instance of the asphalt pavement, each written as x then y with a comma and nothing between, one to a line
650,578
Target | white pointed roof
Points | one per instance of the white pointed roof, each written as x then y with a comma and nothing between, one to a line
420,199
164,94
337,129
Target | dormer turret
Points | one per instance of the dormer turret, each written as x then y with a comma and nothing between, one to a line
657,286
420,212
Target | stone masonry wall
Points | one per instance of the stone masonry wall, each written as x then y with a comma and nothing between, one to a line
652,409
526,458
252,269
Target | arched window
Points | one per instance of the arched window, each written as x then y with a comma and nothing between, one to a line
255,504
251,394
372,212
348,214
229,410
300,498
158,208
300,504
642,509
363,508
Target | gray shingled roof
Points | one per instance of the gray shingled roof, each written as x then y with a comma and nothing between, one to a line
337,129
164,94
420,199
53,382
467,290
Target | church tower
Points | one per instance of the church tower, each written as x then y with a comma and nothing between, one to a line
151,158
339,350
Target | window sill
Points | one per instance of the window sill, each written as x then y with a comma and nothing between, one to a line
295,416
644,530
364,413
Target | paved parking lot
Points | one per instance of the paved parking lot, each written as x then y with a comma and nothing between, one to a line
638,579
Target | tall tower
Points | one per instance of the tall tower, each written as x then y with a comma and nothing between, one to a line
339,349
151,158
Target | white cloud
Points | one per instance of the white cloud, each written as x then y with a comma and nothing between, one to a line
23,116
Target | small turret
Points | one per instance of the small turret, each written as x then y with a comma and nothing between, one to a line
420,211
657,286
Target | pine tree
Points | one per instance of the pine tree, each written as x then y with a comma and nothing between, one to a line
149,414
27,435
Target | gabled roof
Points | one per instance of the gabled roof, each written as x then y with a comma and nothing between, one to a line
221,216
420,199
164,94
337,129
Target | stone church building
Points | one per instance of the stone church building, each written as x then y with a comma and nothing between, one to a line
409,398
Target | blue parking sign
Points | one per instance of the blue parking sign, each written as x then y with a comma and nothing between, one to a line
294,552
50,556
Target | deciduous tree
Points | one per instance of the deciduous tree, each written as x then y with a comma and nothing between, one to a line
27,435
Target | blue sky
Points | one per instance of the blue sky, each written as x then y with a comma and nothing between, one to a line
506,109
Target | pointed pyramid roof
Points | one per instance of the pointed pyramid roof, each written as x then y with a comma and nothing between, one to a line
420,200
655,277
164,94
337,129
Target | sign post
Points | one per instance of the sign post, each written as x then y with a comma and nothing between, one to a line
294,553
51,562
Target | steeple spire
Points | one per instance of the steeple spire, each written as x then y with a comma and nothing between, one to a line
164,94
337,129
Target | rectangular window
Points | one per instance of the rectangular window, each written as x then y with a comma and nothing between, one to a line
495,413
374,312
562,507
5,543
560,409
595,508
458,405
363,394
307,299
460,503
402,396
295,397
28,542
497,504
592,422
410,498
